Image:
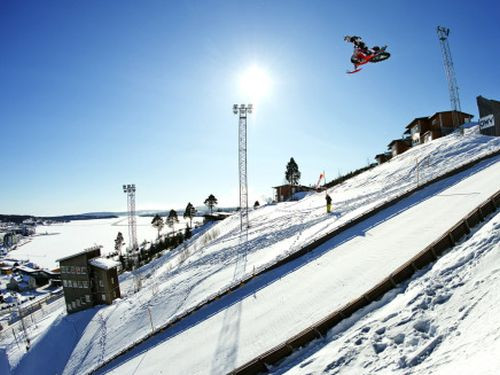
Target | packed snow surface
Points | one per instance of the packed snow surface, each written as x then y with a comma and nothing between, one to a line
221,256
445,321
337,272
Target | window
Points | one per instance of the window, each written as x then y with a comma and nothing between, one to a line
71,269
82,300
84,270
103,296
65,283
69,307
73,304
113,281
85,284
78,302
80,284
101,284
87,297
114,293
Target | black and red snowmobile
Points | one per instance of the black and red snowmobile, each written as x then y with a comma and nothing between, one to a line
363,55
359,57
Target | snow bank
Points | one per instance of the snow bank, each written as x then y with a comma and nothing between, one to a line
222,256
446,321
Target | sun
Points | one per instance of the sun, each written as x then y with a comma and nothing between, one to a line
255,83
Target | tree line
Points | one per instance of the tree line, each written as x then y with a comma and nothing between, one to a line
167,242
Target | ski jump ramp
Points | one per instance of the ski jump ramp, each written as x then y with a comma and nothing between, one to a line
346,269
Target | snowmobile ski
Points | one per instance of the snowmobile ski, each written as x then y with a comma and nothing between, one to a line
353,71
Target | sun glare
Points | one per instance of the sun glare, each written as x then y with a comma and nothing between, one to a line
255,83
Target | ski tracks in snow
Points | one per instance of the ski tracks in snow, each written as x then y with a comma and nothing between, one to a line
408,327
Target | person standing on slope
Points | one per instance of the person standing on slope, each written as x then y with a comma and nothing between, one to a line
328,203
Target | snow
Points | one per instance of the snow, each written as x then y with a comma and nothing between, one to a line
221,257
57,241
335,274
103,263
446,320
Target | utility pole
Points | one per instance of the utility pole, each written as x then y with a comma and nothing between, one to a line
28,343
243,111
443,33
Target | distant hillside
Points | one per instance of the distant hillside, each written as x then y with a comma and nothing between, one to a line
201,210
18,219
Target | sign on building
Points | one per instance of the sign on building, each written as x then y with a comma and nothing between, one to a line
486,122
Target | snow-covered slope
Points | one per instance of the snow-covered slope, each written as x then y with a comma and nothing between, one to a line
213,261
445,321
330,277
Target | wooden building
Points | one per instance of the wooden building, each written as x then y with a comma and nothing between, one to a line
425,129
21,283
285,192
398,146
382,158
442,122
105,277
417,128
88,279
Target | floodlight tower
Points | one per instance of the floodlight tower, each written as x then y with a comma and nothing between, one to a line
132,227
243,111
443,33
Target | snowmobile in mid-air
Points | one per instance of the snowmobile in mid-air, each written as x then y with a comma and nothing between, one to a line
363,55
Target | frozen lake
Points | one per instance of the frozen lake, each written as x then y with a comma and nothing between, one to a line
69,238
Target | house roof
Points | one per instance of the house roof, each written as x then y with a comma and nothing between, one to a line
396,141
9,262
27,269
103,263
415,120
301,186
437,113
93,248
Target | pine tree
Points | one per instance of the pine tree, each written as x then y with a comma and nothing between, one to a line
172,219
189,213
119,243
292,173
158,223
210,202
256,205
187,232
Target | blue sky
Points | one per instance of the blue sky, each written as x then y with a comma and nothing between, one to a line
96,94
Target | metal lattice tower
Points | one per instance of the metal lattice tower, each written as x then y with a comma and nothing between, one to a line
443,33
243,111
132,226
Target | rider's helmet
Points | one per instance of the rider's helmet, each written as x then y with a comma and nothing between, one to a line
347,38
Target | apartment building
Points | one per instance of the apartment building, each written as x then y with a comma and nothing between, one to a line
88,279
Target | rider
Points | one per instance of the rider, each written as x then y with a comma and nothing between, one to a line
359,44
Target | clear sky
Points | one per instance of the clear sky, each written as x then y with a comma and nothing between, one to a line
95,94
